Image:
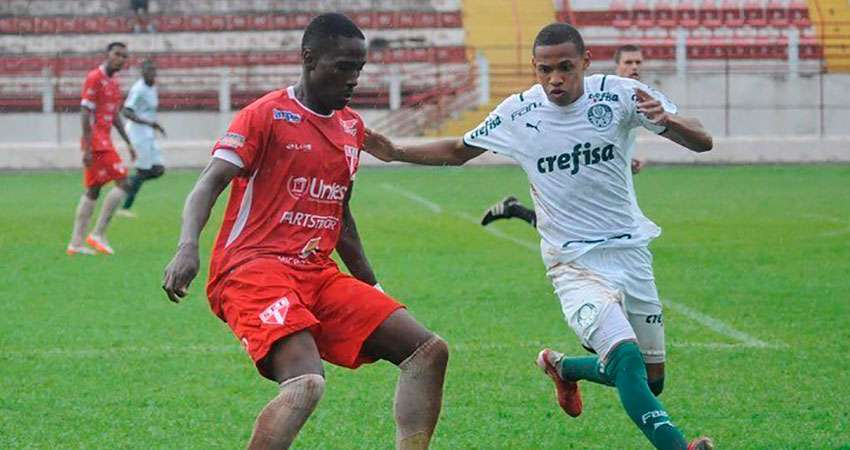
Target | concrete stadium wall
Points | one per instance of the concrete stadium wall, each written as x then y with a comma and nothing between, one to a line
770,119
763,105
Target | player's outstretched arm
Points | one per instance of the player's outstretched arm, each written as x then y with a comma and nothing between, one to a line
446,152
350,248
133,117
184,266
685,131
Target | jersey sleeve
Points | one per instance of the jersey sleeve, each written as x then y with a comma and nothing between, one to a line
246,136
88,98
494,133
133,98
637,119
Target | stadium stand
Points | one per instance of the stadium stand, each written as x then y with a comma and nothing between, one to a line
254,42
725,29
431,48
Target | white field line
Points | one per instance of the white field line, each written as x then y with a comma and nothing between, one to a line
722,328
156,351
717,326
499,234
826,217
836,220
435,208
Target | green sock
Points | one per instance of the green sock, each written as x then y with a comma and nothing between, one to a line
625,367
583,368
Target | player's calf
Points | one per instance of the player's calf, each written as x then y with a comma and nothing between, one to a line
419,394
280,421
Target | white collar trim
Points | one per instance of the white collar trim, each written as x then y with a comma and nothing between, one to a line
291,92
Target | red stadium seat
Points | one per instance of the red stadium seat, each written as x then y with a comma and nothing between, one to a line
798,13
686,14
777,14
622,15
643,17
664,15
710,16
732,15
754,14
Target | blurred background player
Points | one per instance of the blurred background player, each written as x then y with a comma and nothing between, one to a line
292,156
99,112
140,110
629,60
592,241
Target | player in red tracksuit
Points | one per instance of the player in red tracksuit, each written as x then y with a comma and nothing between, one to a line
100,105
291,159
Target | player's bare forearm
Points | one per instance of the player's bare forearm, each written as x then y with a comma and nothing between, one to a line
688,132
119,125
196,211
446,152
184,266
85,122
133,117
350,250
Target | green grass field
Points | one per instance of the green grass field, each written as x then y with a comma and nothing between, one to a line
755,262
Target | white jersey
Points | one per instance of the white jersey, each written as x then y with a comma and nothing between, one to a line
143,100
577,158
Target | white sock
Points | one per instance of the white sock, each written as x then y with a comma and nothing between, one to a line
81,220
115,197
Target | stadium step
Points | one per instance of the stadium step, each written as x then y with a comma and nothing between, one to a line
832,23
503,31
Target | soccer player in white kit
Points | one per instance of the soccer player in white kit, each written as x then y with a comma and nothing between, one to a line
140,110
647,322
569,134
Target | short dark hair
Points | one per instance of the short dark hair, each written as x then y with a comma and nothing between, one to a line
115,44
558,33
327,27
625,48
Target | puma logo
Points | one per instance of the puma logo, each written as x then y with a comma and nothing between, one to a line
535,126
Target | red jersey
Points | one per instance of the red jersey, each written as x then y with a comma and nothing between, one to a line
101,94
288,201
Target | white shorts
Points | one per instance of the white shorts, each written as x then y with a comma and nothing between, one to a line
592,283
148,153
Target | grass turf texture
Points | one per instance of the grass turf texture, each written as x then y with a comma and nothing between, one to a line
92,354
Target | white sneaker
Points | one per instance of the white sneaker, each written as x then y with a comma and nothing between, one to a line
79,250
99,243
126,213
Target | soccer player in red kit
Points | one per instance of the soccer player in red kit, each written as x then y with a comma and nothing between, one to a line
99,109
291,158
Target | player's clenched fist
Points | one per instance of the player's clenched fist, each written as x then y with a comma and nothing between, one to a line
651,108
180,272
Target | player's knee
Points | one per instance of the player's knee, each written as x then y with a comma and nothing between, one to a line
656,386
303,391
157,171
432,355
93,193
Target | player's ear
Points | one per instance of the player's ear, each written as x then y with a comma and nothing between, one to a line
309,58
586,59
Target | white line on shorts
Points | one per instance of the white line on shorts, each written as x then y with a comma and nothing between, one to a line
435,208
722,328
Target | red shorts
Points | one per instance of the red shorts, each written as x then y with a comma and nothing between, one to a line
266,300
106,166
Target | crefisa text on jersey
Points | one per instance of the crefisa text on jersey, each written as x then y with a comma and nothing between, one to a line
582,153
